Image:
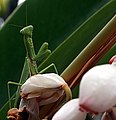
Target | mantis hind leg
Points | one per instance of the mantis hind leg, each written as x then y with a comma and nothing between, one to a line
9,95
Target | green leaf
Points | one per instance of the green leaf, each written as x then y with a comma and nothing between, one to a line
53,21
76,42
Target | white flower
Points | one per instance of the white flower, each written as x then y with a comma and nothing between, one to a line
70,111
47,88
98,89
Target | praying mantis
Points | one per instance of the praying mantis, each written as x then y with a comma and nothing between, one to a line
30,68
30,65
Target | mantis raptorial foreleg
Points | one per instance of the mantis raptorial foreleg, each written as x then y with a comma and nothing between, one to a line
43,53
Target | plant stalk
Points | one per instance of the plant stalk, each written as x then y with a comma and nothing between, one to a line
98,41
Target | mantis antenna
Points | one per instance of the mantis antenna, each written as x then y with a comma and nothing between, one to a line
26,18
26,14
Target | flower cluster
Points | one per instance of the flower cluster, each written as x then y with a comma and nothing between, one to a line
38,90
97,94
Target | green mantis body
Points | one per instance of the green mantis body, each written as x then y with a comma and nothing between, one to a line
30,65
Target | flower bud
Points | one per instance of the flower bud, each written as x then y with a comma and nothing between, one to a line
70,111
98,89
47,88
13,114
18,114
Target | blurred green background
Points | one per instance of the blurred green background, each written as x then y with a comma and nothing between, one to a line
53,21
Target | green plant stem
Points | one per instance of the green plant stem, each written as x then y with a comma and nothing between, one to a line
100,40
89,64
93,61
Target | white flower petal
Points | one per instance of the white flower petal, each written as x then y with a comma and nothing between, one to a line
54,97
70,111
38,81
32,107
98,88
48,87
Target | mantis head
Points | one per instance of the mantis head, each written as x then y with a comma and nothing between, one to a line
27,30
